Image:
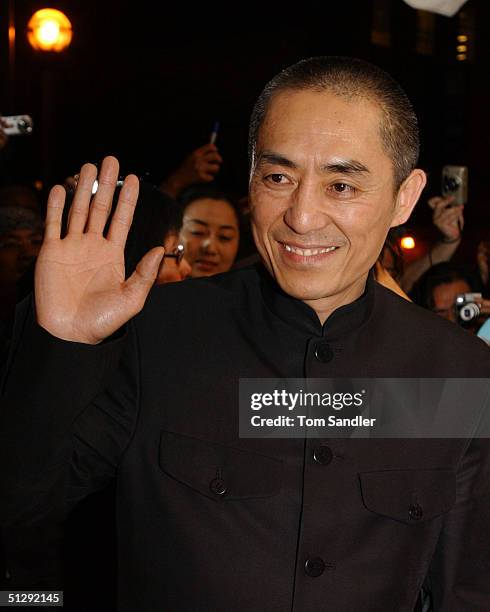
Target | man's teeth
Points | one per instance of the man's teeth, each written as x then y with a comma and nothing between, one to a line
308,252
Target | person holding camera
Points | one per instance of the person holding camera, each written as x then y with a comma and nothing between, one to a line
449,220
447,288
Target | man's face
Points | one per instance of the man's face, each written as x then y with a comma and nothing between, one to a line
322,195
444,298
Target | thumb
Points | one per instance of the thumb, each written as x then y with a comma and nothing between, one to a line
141,280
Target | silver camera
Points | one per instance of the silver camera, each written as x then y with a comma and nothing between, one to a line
455,183
18,125
466,306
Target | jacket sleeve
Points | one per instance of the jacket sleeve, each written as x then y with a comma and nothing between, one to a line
67,414
459,575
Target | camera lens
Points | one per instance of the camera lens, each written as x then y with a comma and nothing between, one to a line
469,312
451,183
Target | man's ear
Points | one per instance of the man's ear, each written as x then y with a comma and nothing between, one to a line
407,196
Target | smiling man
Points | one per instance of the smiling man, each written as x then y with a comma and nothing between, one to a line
208,520
333,147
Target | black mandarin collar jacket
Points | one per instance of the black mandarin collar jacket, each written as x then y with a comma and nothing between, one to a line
156,407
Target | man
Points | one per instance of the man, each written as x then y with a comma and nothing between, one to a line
209,521
439,287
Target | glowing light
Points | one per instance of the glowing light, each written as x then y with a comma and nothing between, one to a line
461,48
49,30
407,242
462,38
461,57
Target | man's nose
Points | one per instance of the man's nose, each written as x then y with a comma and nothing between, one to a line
307,211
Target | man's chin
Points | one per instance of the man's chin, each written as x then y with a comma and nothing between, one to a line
304,291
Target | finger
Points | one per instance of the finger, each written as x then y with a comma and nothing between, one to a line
54,213
142,279
212,156
77,217
448,215
451,214
461,220
102,202
207,148
123,215
434,201
485,307
210,167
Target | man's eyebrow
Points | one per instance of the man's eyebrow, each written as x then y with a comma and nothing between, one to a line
346,166
231,227
276,159
342,166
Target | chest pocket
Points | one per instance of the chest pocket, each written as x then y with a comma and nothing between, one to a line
219,472
409,496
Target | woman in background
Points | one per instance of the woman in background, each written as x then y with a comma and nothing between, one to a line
210,230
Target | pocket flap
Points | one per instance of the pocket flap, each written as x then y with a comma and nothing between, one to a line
411,496
220,472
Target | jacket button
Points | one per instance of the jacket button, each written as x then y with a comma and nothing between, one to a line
415,512
323,352
218,486
314,567
322,455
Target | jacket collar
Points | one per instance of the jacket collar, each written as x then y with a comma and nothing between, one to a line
292,311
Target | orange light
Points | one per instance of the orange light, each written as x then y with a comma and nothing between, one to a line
461,48
49,30
462,38
407,242
461,57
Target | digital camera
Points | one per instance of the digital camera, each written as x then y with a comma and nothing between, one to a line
455,183
467,307
18,125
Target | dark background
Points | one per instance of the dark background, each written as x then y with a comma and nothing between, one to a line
145,81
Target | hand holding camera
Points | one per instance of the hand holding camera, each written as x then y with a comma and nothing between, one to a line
17,125
447,217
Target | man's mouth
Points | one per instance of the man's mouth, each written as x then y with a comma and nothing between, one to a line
308,252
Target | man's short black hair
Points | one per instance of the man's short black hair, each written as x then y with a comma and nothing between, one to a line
350,77
443,274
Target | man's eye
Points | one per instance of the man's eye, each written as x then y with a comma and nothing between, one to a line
343,188
278,179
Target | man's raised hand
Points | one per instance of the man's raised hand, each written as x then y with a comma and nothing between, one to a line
81,292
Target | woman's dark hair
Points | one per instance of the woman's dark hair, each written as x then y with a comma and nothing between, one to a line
198,192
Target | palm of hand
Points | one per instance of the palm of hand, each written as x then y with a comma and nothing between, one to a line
80,288
85,276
